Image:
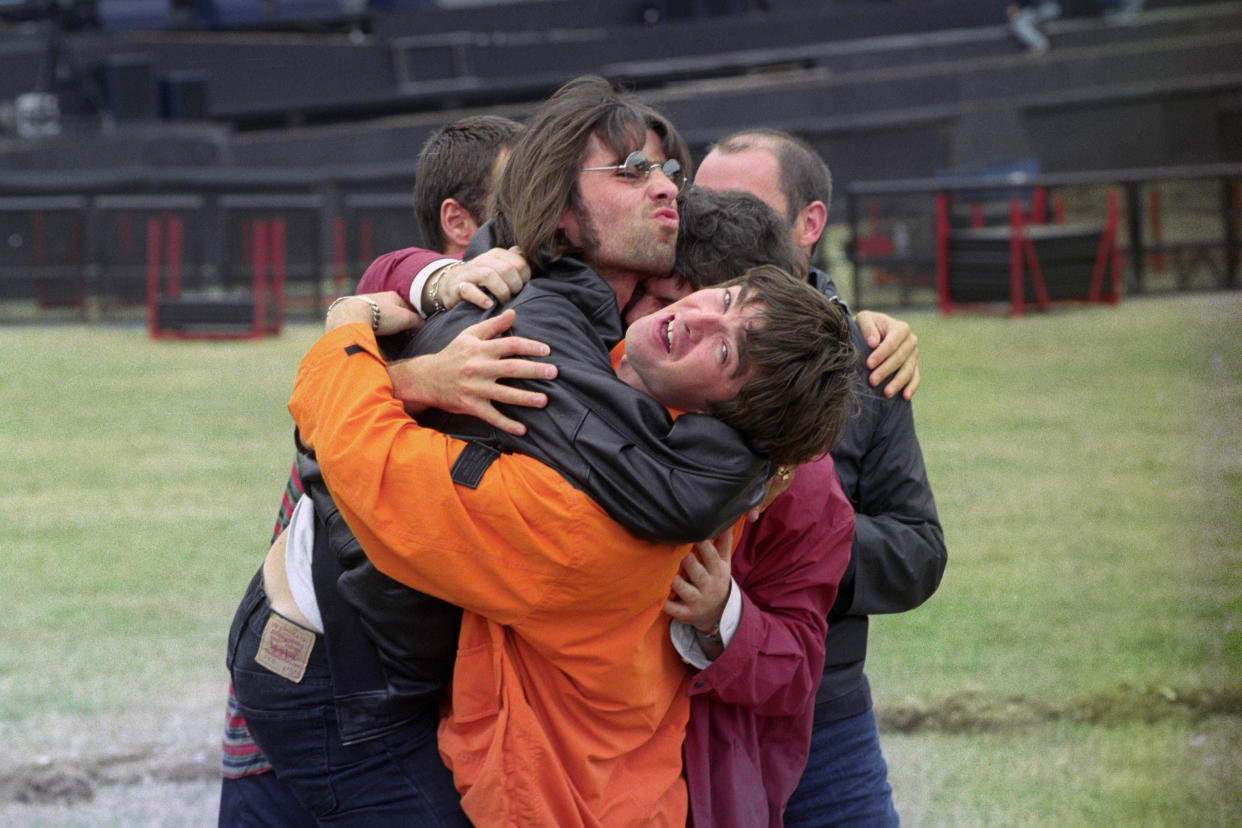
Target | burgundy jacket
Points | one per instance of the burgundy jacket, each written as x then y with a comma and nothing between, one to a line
751,709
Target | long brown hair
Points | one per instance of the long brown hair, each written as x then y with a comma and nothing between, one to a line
540,182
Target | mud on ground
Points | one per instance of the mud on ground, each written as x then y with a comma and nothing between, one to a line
193,774
973,712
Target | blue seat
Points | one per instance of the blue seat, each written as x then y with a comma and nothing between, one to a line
227,14
133,15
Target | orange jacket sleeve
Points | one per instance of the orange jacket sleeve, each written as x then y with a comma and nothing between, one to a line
502,549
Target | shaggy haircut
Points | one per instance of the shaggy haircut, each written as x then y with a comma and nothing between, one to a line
804,175
796,405
726,233
540,182
457,162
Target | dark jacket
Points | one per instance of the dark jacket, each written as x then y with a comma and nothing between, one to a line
898,555
677,481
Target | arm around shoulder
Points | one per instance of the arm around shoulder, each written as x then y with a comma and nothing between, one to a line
899,552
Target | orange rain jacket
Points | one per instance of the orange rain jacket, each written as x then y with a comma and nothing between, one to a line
568,705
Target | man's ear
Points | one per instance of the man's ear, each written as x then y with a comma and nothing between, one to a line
809,224
456,223
569,226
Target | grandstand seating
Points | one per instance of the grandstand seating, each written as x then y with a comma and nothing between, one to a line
301,99
892,89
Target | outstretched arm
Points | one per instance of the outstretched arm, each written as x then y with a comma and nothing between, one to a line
464,377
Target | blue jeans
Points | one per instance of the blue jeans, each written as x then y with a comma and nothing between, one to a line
260,800
395,779
845,784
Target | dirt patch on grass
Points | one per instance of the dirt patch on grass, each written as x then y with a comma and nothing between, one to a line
972,712
69,781
78,780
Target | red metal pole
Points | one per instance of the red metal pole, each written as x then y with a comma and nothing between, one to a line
1159,259
1015,257
942,253
153,277
173,223
258,270
125,232
278,274
1113,220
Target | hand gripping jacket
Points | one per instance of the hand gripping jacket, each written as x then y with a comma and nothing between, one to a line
677,481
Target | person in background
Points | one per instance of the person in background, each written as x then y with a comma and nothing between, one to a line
457,171
1122,11
1026,16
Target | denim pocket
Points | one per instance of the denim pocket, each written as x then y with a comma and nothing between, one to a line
292,731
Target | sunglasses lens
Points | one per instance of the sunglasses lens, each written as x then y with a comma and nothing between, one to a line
672,169
636,166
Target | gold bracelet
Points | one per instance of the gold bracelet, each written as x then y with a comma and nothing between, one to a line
375,309
437,306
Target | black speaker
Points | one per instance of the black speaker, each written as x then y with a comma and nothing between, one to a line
128,85
183,96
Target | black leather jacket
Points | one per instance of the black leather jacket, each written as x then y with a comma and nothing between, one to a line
679,481
676,481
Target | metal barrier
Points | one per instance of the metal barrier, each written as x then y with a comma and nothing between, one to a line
102,253
80,248
1182,227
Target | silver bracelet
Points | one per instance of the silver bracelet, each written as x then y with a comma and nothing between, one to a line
375,309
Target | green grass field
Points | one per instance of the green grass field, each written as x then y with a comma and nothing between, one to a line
1087,465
